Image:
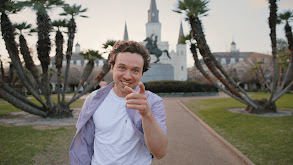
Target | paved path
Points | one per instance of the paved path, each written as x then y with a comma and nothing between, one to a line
189,142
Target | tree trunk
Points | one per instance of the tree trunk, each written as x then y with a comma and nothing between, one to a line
59,60
198,35
263,106
206,75
106,68
43,49
20,104
272,25
11,46
85,75
71,32
29,63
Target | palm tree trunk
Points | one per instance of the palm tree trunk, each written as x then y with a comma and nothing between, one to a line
22,98
71,32
262,78
29,63
206,75
20,104
272,25
43,49
2,70
106,68
289,37
58,60
86,73
11,46
198,35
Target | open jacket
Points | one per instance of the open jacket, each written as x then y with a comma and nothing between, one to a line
82,149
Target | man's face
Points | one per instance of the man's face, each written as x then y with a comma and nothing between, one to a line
127,71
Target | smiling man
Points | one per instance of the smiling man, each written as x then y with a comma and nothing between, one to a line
121,123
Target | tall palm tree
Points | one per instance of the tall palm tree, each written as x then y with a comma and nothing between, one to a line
73,11
105,69
91,56
273,18
59,40
195,9
29,63
44,27
286,17
8,34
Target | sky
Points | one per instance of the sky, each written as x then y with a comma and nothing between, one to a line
243,21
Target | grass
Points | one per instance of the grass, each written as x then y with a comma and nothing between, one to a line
264,140
26,145
23,144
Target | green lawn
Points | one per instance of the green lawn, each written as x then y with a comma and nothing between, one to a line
27,145
264,140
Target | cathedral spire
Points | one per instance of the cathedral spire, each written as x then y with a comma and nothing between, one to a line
125,33
153,13
180,33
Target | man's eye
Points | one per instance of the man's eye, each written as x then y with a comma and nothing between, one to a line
121,67
135,71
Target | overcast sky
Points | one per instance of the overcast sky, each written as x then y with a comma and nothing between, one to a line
244,21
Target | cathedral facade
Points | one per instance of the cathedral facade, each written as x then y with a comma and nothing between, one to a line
153,30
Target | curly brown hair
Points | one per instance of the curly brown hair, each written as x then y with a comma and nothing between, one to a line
132,47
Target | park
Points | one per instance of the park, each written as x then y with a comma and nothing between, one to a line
227,108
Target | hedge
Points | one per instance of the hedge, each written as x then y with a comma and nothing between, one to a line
178,86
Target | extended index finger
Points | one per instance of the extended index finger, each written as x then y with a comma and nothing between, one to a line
141,88
128,89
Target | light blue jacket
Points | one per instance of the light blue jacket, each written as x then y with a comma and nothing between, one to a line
82,146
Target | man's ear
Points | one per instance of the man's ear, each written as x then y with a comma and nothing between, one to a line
112,67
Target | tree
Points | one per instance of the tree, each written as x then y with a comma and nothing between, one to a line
72,11
194,10
91,56
46,107
59,40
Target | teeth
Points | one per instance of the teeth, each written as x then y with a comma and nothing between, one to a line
125,83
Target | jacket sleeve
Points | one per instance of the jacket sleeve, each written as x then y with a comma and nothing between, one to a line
158,110
81,149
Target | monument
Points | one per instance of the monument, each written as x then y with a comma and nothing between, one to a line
158,71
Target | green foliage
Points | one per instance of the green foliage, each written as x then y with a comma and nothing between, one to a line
195,8
73,11
91,54
178,86
264,140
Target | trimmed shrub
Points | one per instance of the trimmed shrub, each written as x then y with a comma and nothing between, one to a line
178,86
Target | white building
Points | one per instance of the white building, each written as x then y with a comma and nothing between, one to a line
178,58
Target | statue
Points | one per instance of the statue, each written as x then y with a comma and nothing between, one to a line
153,48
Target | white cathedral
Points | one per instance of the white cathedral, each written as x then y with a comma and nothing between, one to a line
178,59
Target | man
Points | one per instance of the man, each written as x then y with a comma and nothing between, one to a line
121,123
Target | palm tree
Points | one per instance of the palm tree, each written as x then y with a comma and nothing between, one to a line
59,51
105,69
6,92
47,108
194,10
286,16
29,63
72,11
91,56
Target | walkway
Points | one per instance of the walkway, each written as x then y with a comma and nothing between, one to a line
189,141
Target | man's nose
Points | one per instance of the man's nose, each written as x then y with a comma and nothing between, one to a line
127,75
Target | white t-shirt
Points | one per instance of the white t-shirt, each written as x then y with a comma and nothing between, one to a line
115,141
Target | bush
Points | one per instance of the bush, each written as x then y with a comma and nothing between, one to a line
178,86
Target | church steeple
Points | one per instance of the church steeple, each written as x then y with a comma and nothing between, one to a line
125,33
180,33
153,13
